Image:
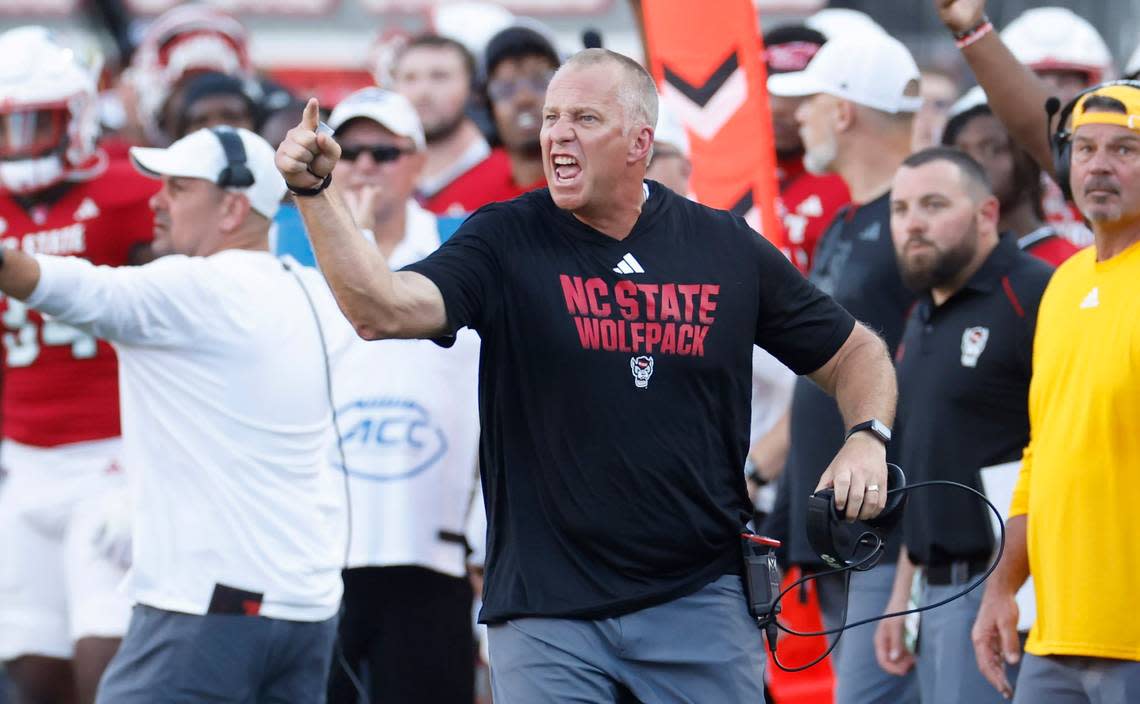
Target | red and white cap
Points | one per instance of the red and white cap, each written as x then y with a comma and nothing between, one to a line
874,70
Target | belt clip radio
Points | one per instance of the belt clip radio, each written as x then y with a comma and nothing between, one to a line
761,577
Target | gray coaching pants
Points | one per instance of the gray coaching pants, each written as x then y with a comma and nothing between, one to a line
1063,679
858,677
700,648
947,669
175,658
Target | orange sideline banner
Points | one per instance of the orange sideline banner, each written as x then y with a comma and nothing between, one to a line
706,59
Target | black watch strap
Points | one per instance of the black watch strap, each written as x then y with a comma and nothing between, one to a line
306,192
874,426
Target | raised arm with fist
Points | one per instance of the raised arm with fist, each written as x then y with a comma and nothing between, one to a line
960,15
308,154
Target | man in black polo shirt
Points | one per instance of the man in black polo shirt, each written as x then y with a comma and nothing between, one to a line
963,368
856,121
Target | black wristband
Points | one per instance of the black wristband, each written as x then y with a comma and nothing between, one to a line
982,22
306,192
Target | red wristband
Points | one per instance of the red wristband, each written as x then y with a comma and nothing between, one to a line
974,34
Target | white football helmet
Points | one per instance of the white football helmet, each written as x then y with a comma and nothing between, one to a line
49,124
184,40
1057,39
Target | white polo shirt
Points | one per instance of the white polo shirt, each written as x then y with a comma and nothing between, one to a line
408,414
226,424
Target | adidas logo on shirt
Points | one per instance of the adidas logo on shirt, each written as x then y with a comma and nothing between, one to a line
1092,300
86,210
628,265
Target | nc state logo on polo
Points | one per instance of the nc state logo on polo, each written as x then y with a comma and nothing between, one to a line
641,318
973,344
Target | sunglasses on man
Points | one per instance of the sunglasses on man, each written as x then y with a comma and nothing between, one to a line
380,153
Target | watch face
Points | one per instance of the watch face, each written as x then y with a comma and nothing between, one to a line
880,428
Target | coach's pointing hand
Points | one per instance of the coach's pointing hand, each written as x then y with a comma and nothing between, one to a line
307,155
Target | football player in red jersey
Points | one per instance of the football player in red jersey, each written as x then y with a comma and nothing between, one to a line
808,202
63,536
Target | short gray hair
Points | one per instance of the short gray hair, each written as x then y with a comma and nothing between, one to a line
637,92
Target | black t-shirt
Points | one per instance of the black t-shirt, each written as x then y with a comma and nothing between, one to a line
855,263
963,370
614,390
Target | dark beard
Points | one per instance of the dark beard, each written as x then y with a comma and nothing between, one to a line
445,130
945,269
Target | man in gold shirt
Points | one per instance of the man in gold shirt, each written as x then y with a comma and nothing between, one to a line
1073,524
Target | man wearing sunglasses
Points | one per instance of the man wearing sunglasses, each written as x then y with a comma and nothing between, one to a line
382,157
409,438
519,64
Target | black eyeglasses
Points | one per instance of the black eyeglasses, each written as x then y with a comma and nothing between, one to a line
380,153
505,89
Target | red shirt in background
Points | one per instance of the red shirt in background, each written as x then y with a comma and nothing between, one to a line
807,205
1047,244
488,181
62,385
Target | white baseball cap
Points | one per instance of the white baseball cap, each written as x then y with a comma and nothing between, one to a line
874,70
390,110
201,155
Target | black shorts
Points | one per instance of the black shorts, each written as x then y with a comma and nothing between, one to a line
407,633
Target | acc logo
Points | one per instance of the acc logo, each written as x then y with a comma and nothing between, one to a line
973,344
387,439
642,368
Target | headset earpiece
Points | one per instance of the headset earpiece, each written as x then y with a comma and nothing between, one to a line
835,541
236,173
1061,137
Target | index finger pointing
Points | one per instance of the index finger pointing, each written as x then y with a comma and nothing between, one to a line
311,117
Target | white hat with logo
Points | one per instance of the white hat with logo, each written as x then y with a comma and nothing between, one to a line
874,70
390,110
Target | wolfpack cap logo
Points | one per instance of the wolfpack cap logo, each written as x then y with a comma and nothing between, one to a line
642,368
973,344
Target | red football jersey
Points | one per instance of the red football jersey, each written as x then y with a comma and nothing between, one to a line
1063,215
1048,245
806,206
61,385
488,181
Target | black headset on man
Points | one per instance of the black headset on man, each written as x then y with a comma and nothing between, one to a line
1061,137
236,173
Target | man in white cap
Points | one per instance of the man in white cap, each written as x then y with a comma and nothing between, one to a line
238,535
410,434
861,96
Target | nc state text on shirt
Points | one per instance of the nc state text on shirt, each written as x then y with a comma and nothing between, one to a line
654,318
